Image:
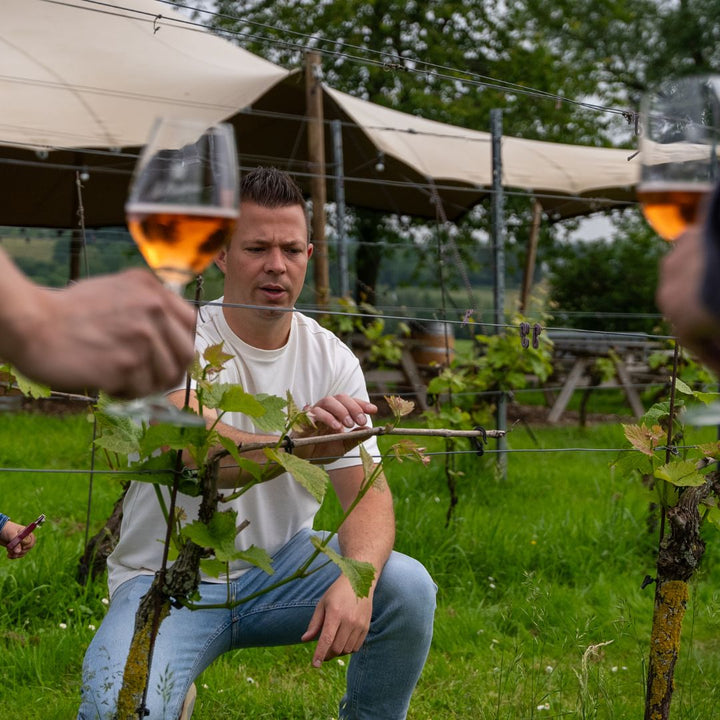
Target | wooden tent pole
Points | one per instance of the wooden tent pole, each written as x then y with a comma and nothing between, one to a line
529,272
316,161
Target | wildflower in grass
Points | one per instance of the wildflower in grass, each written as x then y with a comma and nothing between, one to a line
63,626
614,668
249,680
549,669
543,706
91,627
341,662
205,686
105,601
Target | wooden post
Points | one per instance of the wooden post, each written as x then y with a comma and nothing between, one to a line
316,162
529,272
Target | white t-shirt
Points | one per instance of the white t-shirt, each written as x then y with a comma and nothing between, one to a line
313,364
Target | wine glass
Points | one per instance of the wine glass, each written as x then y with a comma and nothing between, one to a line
181,211
680,123
679,150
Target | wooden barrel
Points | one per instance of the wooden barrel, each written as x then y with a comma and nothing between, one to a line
433,344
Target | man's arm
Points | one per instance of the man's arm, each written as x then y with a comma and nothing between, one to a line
330,414
122,333
341,620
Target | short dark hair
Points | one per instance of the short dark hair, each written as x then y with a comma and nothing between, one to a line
271,188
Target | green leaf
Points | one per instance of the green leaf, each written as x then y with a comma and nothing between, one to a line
360,574
713,517
210,394
312,477
216,357
251,467
158,469
117,434
706,397
682,473
631,461
274,418
30,387
218,534
683,387
258,557
235,399
213,567
166,436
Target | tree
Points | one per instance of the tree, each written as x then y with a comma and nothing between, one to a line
583,296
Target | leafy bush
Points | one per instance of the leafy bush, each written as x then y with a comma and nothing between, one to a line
590,280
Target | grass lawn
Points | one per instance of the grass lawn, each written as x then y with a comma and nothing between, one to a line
540,611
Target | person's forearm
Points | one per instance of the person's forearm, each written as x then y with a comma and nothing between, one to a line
17,299
230,475
368,533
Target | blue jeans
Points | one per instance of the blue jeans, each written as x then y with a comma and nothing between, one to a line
381,676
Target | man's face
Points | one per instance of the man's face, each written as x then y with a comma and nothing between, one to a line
266,261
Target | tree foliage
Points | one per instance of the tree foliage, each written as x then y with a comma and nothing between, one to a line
590,280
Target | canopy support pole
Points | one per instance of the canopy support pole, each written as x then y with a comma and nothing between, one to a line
531,256
316,162
342,239
498,244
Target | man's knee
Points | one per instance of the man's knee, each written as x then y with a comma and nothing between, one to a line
406,584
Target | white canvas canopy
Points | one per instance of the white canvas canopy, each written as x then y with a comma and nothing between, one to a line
81,82
451,154
82,74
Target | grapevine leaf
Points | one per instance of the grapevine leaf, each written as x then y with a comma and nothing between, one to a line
713,517
630,461
643,438
360,574
159,469
258,557
683,387
213,567
235,399
29,387
711,449
399,407
312,477
274,418
166,436
216,357
682,473
218,534
253,468
117,434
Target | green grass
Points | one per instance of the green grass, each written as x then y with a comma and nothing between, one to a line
533,571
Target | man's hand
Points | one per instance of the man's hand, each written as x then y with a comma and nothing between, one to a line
678,296
340,622
125,334
331,415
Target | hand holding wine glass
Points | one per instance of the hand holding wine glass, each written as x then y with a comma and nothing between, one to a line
181,211
680,123
679,146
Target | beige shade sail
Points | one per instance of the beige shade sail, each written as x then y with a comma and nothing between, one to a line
81,75
81,82
571,177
